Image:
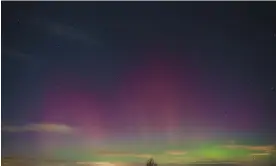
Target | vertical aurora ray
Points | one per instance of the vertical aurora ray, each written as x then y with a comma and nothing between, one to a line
69,101
115,84
154,106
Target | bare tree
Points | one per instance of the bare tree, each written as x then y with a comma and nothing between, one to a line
151,162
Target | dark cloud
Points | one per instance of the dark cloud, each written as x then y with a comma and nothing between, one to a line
70,32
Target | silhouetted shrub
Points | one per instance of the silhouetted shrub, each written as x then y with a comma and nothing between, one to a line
151,162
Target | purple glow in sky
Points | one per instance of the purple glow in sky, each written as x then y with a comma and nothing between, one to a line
123,82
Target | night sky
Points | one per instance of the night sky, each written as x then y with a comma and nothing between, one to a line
120,82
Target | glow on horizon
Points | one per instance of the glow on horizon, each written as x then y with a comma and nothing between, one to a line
155,109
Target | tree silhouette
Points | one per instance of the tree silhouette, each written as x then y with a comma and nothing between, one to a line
151,162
